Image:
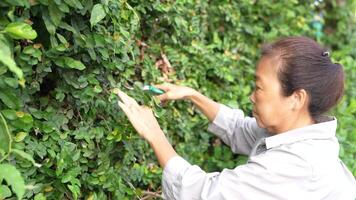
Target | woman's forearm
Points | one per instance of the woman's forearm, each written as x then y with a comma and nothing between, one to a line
209,107
159,143
162,148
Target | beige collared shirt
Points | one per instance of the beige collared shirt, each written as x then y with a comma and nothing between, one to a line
299,164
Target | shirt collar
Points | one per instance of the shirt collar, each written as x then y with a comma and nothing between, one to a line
326,128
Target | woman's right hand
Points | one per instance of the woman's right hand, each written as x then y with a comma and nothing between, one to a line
209,107
174,92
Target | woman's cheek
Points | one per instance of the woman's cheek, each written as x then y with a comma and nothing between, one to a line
263,115
260,110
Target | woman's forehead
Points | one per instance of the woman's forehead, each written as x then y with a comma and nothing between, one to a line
267,69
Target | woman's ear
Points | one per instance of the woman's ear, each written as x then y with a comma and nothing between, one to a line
300,98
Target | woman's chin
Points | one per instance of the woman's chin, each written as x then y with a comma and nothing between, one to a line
259,124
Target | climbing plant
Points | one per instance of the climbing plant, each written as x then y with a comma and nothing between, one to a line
62,135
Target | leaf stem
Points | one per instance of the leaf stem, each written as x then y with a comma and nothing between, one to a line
133,10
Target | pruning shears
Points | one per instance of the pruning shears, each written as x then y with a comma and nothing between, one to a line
152,89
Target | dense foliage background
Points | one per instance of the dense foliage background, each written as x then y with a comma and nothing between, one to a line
62,135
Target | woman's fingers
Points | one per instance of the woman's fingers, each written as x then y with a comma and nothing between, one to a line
163,97
164,102
166,61
131,111
124,108
165,87
127,99
140,117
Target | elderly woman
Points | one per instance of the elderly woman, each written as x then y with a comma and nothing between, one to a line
292,148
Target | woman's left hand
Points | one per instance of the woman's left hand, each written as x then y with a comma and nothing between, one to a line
141,117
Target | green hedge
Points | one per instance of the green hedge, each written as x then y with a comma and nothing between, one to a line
61,131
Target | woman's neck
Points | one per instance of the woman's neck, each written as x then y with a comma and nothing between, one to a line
297,121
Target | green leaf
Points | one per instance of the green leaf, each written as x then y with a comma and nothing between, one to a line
20,136
25,156
55,14
97,89
25,117
9,114
19,3
68,62
29,50
4,192
9,99
5,136
75,190
75,64
97,14
40,196
62,39
13,178
12,82
74,3
3,69
20,30
6,56
51,28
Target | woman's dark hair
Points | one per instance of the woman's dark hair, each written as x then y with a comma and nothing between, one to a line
304,64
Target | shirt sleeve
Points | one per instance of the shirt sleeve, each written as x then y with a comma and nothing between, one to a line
255,180
236,130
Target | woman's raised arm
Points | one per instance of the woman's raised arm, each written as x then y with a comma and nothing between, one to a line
208,107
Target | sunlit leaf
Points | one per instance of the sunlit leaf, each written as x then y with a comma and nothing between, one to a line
5,136
6,57
20,30
4,192
97,14
25,156
13,178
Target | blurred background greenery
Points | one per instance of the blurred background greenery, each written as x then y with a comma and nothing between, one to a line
56,96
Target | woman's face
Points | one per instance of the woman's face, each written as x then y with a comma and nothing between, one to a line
270,108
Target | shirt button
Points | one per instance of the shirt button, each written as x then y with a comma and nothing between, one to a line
261,148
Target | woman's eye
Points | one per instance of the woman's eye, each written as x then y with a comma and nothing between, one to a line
256,87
